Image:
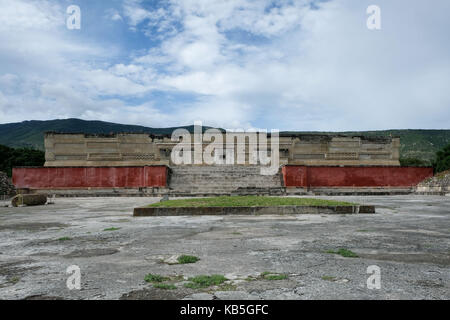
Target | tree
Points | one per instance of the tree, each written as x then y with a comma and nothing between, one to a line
442,161
413,162
23,157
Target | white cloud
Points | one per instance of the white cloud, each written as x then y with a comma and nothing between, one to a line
313,69
289,65
49,73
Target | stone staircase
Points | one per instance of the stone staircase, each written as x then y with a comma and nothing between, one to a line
223,180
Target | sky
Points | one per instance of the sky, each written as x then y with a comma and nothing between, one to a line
305,65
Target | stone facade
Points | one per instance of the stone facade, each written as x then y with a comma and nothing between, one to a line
137,149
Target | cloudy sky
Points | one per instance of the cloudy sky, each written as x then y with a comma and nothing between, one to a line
290,65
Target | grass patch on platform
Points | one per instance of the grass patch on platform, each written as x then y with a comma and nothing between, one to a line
64,239
344,252
155,278
111,229
164,286
247,201
205,281
273,276
187,259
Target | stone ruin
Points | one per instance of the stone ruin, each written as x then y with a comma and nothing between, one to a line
6,187
437,185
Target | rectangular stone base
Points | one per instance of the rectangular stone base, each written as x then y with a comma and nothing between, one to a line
281,210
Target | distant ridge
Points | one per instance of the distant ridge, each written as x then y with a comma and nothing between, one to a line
417,143
31,133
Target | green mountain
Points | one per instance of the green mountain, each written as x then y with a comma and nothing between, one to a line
422,144
30,134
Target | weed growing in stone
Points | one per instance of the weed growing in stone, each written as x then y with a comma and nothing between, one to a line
344,252
273,276
187,259
227,287
65,239
164,286
111,229
14,280
203,281
155,278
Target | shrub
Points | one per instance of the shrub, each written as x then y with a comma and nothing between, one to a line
413,162
442,162
24,157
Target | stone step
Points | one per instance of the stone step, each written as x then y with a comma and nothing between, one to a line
229,180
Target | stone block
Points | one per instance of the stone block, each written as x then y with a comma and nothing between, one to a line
29,200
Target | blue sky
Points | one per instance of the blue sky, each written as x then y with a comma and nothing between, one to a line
288,65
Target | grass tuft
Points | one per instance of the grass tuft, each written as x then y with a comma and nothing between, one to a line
155,278
203,281
273,276
14,280
65,239
187,259
111,229
344,252
164,286
227,287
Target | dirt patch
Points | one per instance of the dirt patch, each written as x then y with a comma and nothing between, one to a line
118,221
156,294
87,253
33,226
43,297
44,254
13,271
429,284
12,268
439,259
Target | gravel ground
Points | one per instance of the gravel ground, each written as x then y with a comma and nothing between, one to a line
408,239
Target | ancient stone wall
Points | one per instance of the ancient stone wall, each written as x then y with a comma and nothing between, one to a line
66,150
439,184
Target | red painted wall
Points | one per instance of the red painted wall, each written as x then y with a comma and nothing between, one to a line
156,176
303,176
94,177
295,176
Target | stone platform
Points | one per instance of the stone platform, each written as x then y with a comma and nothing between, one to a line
272,210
